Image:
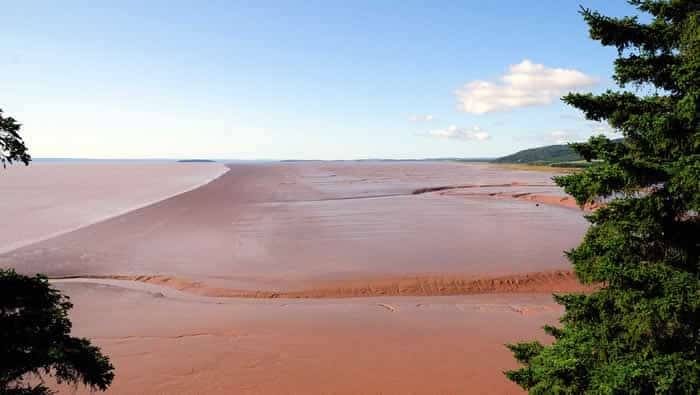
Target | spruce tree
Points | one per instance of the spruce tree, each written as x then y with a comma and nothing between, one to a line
639,332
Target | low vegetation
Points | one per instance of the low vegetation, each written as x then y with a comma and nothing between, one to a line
560,156
542,156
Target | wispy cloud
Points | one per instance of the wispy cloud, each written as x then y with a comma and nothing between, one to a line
465,134
588,129
562,136
525,84
421,118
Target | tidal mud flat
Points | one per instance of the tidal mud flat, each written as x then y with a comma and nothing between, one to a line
46,199
321,277
302,226
167,342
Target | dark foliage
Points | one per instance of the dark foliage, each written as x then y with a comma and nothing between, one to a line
639,333
35,339
542,155
12,146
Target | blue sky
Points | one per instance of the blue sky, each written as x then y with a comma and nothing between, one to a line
298,79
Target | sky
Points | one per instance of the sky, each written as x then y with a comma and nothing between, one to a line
299,79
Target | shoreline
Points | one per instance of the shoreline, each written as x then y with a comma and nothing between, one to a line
117,213
442,284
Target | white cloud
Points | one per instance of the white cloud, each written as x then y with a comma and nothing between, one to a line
421,118
525,84
588,128
453,132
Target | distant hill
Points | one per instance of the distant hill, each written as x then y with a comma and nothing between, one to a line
196,161
542,155
560,155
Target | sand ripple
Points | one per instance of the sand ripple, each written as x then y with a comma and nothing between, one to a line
419,285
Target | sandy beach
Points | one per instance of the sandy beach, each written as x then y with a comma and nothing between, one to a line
321,277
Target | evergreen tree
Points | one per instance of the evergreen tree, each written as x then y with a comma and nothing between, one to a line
12,146
639,332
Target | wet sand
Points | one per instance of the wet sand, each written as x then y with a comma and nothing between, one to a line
321,277
46,199
165,343
305,226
